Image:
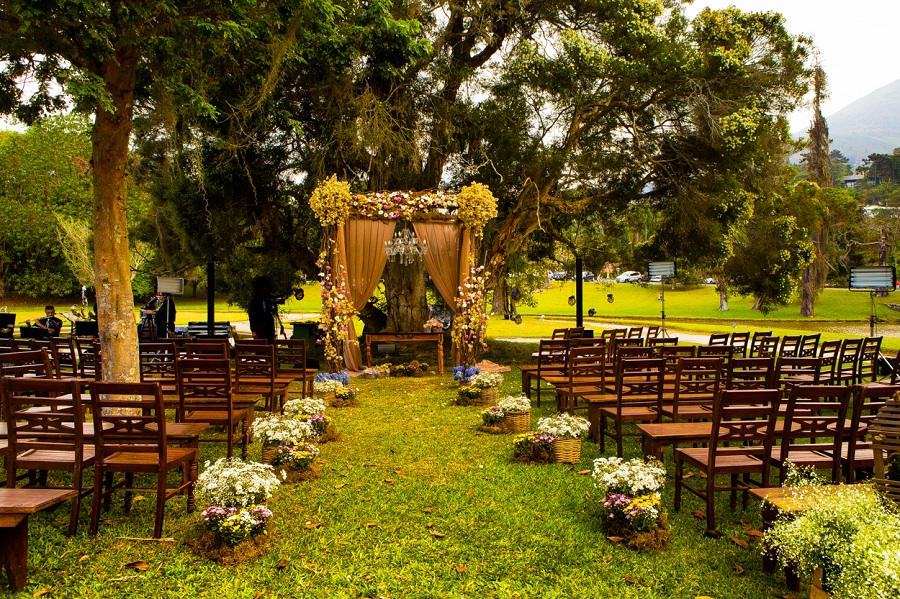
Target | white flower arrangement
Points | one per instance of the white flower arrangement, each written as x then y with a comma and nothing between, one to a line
305,405
486,380
633,478
280,430
514,403
327,386
235,483
563,426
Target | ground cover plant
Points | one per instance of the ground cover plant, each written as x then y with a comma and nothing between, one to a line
412,502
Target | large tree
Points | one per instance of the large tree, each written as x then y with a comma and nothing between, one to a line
100,55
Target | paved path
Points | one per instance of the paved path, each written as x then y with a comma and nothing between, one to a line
600,327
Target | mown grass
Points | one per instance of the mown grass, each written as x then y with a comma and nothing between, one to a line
411,465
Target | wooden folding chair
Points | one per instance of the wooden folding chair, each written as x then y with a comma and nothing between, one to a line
254,374
639,395
751,373
856,451
29,364
697,382
290,354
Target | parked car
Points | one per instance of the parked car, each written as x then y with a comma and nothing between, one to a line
656,279
629,276
588,276
558,275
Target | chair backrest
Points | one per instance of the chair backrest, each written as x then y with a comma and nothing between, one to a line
718,339
42,414
726,352
740,341
129,417
587,342
587,362
48,346
673,353
574,333
204,382
814,421
791,370
847,362
867,402
640,380
743,423
207,348
290,353
763,346
21,344
790,345
867,363
809,345
697,380
88,356
661,341
635,332
620,342
157,360
652,332
558,334
66,355
828,355
256,362
35,363
251,341
895,371
751,373
551,354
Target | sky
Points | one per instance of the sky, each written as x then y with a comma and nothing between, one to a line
857,42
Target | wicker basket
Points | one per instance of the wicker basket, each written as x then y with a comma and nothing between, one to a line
268,453
328,396
489,397
567,451
517,422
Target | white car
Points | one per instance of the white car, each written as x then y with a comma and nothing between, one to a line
629,276
656,279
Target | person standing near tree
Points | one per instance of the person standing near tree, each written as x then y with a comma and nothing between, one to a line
50,323
262,309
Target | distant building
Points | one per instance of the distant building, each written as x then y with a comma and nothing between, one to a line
854,180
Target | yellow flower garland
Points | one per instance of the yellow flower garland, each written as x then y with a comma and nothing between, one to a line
330,200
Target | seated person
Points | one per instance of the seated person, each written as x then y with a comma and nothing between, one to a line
50,323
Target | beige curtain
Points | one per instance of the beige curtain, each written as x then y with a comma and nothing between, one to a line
360,249
443,257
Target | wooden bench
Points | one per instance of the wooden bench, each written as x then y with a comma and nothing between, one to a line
15,507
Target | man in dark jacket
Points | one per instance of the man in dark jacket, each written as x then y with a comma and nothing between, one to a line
262,310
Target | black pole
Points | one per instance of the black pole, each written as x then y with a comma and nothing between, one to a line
210,298
579,296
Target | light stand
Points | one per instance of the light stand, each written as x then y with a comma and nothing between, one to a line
663,270
874,279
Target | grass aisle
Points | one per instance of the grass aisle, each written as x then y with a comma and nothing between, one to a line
413,502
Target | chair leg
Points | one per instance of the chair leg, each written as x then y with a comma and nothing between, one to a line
95,502
732,493
710,501
160,504
129,482
76,502
190,498
679,471
107,497
618,437
602,433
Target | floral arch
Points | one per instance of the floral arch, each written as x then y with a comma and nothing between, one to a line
352,259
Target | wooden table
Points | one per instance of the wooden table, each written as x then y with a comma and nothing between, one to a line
778,501
15,507
406,338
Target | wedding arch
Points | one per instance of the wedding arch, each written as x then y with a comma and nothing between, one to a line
352,258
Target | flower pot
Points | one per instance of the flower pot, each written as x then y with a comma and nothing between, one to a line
489,397
327,396
567,451
268,453
517,422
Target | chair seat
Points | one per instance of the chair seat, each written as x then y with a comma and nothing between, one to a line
805,458
689,412
735,463
52,459
214,417
136,461
632,414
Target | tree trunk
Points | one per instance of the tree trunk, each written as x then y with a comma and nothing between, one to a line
807,293
110,140
404,290
723,296
500,302
757,304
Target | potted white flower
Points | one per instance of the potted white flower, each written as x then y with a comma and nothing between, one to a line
631,501
311,410
516,413
566,431
275,431
481,390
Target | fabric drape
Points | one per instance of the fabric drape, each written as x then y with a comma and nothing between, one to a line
443,257
360,250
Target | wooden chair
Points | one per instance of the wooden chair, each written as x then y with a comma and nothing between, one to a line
157,362
20,344
764,346
585,373
809,345
751,373
847,363
672,354
574,333
856,451
291,357
652,332
207,348
790,346
743,433
662,341
558,334
635,333
792,370
726,352
718,339
129,444
48,346
697,382
753,348
740,342
45,432
254,374
550,360
30,364
814,421
67,355
88,357
867,363
205,395
829,352
639,394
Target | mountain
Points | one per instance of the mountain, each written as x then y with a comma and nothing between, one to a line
869,125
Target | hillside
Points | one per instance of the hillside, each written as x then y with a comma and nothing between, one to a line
870,124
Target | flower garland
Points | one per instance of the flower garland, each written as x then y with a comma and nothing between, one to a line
399,205
477,205
470,324
330,201
337,311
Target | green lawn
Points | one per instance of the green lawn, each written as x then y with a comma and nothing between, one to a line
410,465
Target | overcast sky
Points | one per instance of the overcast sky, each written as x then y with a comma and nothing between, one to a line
857,41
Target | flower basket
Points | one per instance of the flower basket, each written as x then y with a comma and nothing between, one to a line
487,397
268,452
328,396
294,475
517,422
566,451
211,547
655,539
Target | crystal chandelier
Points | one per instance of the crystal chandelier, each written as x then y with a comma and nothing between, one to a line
405,247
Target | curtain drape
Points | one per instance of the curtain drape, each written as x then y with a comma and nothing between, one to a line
360,250
443,257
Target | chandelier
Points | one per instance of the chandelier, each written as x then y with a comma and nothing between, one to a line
405,247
